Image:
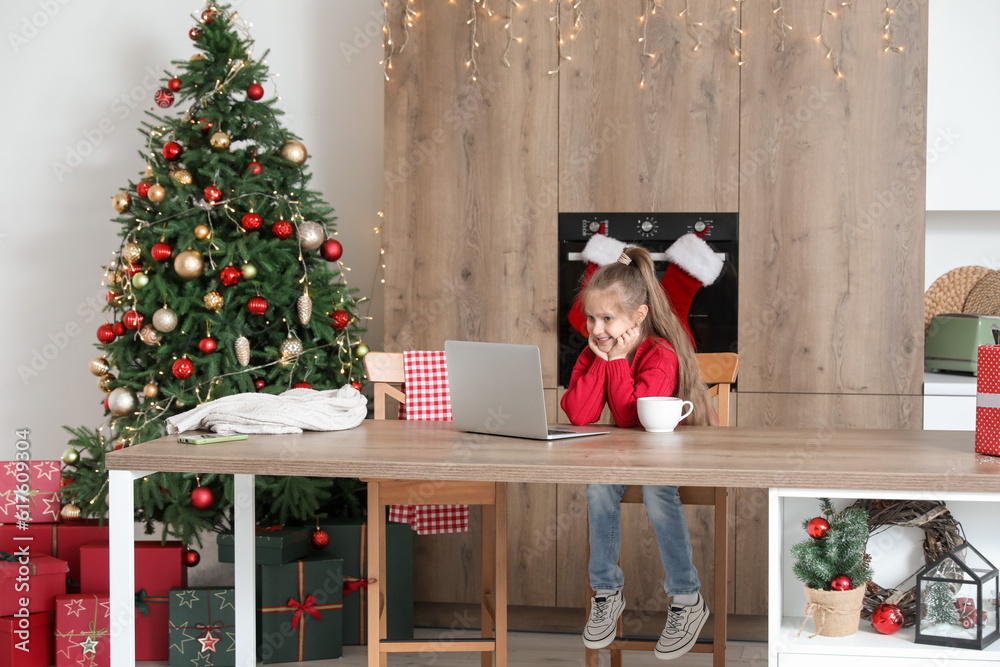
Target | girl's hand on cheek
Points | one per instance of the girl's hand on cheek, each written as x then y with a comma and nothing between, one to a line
625,344
596,350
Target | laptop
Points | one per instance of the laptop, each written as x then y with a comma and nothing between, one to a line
496,388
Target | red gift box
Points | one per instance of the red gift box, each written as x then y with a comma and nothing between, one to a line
988,400
30,582
26,641
59,540
83,636
29,491
158,568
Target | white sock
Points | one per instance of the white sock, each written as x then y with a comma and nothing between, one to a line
686,600
604,594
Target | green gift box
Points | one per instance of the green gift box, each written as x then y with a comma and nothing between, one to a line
202,627
299,607
349,541
275,545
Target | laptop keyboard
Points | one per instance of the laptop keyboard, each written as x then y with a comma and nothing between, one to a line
558,431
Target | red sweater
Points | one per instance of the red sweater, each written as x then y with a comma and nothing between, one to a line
653,372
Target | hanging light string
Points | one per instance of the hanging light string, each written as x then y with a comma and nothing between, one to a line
509,29
387,47
473,44
646,54
577,17
692,25
409,16
557,19
887,31
831,55
736,33
778,17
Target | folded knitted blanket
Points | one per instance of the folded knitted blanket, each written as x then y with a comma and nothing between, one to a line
293,411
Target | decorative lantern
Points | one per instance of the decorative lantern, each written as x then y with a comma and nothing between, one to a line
957,601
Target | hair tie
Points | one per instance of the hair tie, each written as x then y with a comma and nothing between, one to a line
624,259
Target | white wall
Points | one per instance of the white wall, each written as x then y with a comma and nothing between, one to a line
68,71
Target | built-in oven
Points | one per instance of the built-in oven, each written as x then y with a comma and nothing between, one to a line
713,313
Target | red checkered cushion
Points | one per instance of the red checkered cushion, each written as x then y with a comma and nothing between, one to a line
427,399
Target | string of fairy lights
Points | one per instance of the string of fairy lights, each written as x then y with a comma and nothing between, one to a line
831,10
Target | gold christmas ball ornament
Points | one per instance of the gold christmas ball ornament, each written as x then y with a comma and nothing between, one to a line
214,301
70,513
294,151
188,265
156,193
132,252
182,176
311,235
148,335
104,383
121,401
151,390
290,348
165,320
220,141
202,232
140,280
242,348
121,202
197,56
99,366
71,457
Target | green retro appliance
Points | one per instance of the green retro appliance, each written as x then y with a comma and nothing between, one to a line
953,341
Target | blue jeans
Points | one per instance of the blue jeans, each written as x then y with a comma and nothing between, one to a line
666,513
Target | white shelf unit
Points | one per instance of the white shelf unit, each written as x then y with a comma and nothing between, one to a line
896,553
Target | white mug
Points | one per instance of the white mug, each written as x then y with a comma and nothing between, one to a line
660,414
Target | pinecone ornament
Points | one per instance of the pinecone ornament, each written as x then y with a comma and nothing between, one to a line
305,306
242,347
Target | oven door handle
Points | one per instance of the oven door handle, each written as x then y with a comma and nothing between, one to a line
655,256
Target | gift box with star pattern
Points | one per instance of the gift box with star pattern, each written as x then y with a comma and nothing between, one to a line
83,637
29,491
59,540
202,627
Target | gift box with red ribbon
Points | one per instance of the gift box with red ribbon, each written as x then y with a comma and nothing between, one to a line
275,545
202,627
988,400
30,582
59,540
27,641
83,637
158,568
299,616
349,541
29,491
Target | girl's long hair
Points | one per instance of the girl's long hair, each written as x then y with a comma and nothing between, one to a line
636,284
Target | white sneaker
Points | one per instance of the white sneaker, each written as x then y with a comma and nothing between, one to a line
604,613
681,630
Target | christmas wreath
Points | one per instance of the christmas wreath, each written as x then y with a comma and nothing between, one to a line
941,533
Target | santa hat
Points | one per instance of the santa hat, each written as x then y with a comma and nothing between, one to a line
692,264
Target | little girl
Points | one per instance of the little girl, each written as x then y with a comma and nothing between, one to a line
637,347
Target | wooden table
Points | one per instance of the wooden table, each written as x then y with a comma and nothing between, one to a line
803,458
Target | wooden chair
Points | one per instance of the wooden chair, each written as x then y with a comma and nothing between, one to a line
719,372
385,369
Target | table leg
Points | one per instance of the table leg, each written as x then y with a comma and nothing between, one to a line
244,558
121,561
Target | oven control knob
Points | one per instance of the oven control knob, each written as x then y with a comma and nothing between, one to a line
700,226
646,226
594,227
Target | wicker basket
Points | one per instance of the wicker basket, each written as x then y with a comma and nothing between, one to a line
948,293
834,613
984,298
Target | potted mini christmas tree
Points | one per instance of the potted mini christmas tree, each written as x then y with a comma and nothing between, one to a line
834,567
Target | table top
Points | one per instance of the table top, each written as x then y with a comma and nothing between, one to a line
932,461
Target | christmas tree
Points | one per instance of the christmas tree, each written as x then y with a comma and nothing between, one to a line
940,604
226,281
836,551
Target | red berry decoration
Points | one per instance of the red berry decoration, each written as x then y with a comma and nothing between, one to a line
817,527
257,305
356,385
202,498
302,385
841,583
172,150
331,250
190,558
259,383
251,221
161,252
340,319
254,168
887,618
118,328
182,369
212,193
205,125
174,84
207,15
230,276
319,539
142,188
132,320
282,229
105,333
255,91
207,345
193,33
163,98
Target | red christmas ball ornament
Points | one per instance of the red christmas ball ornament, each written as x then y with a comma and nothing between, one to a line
142,188
131,269
282,229
817,527
118,328
172,150
254,168
132,320
161,252
259,383
105,333
207,345
302,385
255,91
202,498
230,276
841,583
212,193
319,539
111,295
356,385
65,481
174,84
205,125
340,319
107,408
251,221
163,98
190,558
207,16
331,250
182,369
193,33
257,305
887,618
